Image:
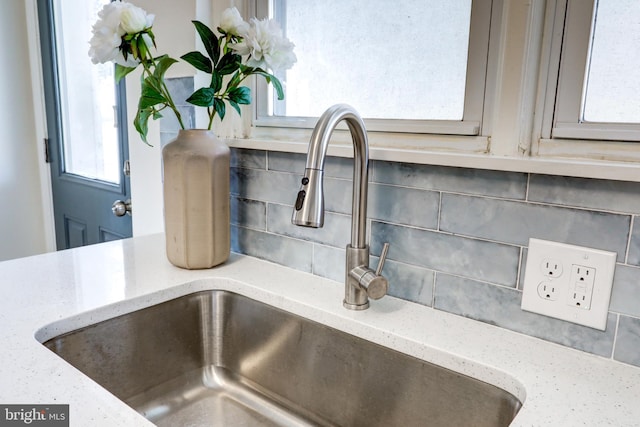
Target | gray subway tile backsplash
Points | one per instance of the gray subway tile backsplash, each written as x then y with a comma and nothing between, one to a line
477,259
628,341
337,194
515,222
402,205
411,283
501,307
634,244
458,180
329,262
249,213
248,159
596,194
626,291
335,167
266,186
458,236
335,232
294,253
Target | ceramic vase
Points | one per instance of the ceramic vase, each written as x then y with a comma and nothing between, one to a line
196,199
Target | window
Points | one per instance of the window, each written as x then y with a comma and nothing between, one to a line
598,86
539,86
419,67
87,95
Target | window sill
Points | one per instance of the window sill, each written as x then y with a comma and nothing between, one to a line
467,152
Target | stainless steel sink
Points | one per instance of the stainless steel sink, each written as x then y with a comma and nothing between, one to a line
217,358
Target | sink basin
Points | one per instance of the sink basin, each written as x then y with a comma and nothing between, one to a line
216,358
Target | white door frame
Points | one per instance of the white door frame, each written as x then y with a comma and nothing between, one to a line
40,123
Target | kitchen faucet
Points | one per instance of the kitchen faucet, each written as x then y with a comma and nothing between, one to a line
361,282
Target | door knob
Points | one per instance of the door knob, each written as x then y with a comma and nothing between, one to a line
120,208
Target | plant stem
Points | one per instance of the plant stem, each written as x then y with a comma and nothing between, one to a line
165,92
167,95
212,113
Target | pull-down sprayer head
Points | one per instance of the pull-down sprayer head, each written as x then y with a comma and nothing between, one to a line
309,206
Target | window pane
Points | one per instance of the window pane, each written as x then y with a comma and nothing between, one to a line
87,95
612,87
390,60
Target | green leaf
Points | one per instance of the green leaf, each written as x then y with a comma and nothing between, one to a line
199,61
203,97
247,70
241,95
236,106
209,40
150,96
122,71
151,36
141,123
220,108
229,63
216,81
278,87
162,65
235,81
270,78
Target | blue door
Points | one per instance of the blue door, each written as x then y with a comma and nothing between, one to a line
86,122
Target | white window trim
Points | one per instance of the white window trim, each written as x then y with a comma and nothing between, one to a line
518,90
471,123
562,136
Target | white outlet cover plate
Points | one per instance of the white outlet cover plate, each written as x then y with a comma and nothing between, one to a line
561,307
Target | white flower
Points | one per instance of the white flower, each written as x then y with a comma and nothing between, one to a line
267,47
114,21
232,23
133,19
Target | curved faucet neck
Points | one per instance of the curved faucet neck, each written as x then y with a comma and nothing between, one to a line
317,154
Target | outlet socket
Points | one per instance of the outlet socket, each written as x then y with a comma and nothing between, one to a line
568,282
547,290
551,267
581,286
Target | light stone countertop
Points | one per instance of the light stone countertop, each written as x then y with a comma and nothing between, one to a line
49,294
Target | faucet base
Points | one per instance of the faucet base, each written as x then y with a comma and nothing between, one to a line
355,306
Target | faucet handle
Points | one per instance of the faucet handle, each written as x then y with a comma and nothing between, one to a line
374,283
383,258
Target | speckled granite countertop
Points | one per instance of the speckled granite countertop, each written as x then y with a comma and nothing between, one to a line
46,295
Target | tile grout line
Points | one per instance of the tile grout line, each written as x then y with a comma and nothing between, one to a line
615,337
433,290
631,225
520,259
439,211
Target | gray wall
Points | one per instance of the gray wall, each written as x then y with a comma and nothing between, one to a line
458,236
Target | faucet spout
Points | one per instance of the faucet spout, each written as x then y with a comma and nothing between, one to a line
360,282
311,213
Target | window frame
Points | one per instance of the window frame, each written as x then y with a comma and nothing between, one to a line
477,83
571,50
520,90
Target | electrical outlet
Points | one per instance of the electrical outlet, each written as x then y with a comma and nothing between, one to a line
568,282
551,267
581,286
548,290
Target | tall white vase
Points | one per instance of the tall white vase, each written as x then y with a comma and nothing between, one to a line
196,199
